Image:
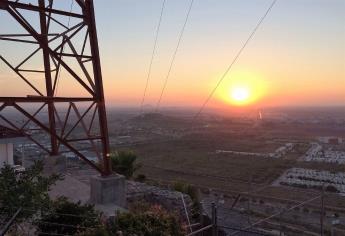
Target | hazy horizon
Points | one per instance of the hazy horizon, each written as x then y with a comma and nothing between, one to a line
296,58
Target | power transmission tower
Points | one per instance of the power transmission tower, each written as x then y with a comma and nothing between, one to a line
58,47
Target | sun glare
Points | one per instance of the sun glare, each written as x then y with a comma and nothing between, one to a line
242,89
240,94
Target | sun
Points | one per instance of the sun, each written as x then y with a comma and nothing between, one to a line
240,94
242,89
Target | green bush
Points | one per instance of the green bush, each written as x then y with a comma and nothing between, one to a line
187,189
28,189
145,220
124,163
65,217
192,192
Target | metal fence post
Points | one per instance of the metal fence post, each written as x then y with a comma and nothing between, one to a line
249,199
322,206
202,222
214,220
280,221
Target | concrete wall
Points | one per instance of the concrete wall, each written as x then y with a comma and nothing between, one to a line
6,154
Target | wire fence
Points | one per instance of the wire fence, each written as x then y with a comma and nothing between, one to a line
308,217
246,216
28,221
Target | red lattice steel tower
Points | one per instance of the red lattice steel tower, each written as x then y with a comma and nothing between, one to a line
65,48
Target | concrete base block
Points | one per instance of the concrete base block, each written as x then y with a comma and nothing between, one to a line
108,190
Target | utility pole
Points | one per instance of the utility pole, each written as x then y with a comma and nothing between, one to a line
280,221
249,199
214,220
99,92
72,49
322,208
48,79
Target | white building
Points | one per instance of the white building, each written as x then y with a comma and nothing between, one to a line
7,138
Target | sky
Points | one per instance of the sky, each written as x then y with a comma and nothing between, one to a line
296,58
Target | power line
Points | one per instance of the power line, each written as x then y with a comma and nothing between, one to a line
174,55
235,58
59,70
152,56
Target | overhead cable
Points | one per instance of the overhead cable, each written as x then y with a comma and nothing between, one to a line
174,55
235,58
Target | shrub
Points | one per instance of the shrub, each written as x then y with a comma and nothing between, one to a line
145,220
28,189
187,189
193,194
65,217
123,163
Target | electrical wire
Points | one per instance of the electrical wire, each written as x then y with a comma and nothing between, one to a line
59,70
174,56
236,58
152,57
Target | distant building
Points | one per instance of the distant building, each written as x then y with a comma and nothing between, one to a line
330,140
334,141
7,138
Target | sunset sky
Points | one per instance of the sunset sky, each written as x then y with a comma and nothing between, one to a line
297,57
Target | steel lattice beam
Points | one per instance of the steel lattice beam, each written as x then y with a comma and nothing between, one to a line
52,44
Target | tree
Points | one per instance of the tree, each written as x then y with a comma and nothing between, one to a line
147,220
124,163
65,217
28,189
